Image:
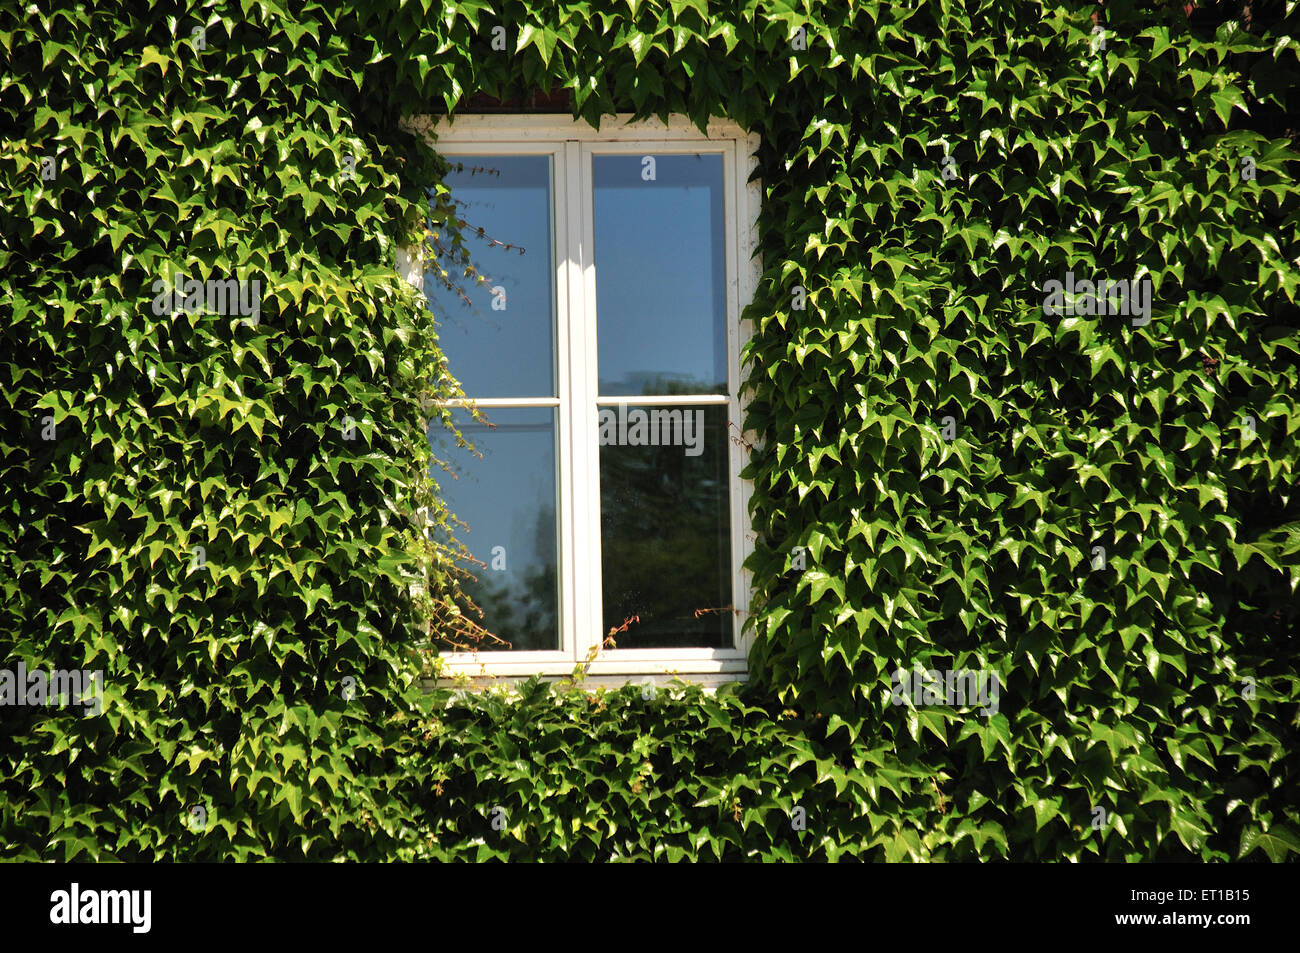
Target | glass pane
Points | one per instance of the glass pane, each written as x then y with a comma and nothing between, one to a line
665,525
661,301
507,500
503,345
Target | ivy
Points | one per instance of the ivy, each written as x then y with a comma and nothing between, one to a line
217,506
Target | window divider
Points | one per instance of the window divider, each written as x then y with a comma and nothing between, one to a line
579,526
500,402
667,400
587,510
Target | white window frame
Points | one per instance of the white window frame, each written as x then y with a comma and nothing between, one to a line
571,145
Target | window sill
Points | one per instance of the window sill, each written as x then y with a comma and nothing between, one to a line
709,681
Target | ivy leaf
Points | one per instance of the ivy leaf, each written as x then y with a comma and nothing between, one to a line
150,54
1277,843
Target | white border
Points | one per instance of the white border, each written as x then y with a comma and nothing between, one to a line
571,144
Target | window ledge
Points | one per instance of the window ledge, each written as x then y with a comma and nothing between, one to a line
709,681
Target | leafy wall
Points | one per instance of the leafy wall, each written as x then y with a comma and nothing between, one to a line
946,454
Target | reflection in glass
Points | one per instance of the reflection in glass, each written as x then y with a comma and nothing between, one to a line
661,300
502,345
507,500
666,525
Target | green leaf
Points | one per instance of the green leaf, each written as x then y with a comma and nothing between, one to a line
1277,843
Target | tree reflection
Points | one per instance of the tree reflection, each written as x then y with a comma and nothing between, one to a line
665,541
521,608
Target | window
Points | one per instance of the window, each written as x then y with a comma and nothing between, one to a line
606,357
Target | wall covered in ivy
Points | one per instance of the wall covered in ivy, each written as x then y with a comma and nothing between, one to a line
964,459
